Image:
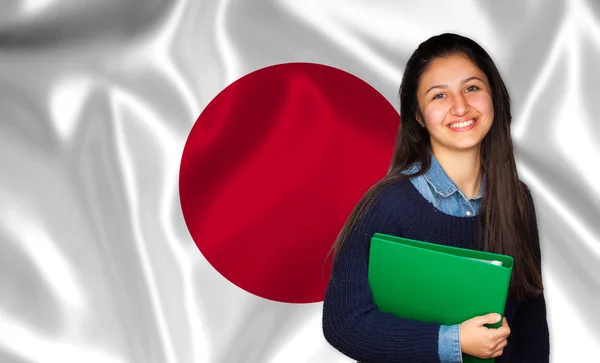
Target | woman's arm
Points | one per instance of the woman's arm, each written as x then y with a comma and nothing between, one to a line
351,321
530,325
530,331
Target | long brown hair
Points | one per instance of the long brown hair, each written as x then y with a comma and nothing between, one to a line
506,211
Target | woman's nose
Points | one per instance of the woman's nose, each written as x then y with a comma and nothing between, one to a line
460,106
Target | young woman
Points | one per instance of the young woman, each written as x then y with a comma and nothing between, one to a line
453,181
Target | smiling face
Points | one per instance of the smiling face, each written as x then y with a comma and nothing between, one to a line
455,100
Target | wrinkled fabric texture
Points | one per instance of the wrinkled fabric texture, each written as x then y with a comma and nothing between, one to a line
97,99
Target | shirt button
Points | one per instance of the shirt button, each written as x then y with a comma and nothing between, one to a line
468,213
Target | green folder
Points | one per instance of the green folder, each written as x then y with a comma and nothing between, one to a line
436,283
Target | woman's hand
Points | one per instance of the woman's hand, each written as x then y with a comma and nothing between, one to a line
480,341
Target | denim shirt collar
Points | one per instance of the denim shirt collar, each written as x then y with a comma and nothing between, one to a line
441,182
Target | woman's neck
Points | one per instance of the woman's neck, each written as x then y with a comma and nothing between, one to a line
463,167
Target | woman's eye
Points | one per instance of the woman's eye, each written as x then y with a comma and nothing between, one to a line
472,88
439,95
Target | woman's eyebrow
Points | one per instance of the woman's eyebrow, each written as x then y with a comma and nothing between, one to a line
472,78
463,81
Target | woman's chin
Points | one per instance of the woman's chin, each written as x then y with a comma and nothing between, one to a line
467,145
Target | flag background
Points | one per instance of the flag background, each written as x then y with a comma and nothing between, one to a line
97,99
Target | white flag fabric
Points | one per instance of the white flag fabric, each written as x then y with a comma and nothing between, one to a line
98,98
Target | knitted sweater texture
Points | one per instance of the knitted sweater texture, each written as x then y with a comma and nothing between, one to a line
351,321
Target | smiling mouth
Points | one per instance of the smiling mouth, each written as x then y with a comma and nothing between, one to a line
463,124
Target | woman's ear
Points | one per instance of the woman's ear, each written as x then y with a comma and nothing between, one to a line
419,118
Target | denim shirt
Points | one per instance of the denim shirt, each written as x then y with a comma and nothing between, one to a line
437,188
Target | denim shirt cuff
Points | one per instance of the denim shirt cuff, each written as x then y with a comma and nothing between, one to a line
449,344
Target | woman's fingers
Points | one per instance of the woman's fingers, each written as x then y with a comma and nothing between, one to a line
504,331
499,349
491,318
502,334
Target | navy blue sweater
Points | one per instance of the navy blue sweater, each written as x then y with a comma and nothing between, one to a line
351,321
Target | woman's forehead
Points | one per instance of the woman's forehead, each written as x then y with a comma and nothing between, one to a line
451,69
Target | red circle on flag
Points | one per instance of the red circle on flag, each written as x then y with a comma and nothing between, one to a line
273,167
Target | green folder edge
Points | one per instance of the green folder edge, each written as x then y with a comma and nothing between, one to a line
507,262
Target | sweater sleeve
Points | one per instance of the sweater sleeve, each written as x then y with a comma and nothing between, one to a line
530,326
351,321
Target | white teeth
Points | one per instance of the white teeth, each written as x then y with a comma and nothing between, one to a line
458,125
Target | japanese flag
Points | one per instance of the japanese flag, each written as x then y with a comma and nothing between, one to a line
173,173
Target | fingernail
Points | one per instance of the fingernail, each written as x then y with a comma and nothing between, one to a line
498,317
